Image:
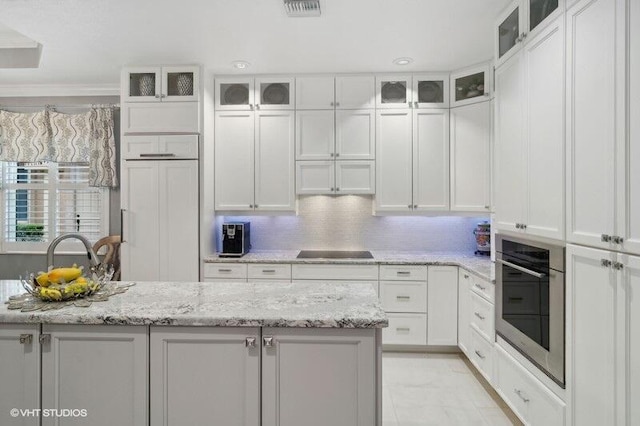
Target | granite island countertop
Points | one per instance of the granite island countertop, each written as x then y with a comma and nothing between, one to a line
481,266
317,305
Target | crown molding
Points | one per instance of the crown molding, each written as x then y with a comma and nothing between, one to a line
33,90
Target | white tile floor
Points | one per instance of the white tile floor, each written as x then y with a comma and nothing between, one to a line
438,389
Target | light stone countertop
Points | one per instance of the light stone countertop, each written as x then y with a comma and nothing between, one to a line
318,305
481,266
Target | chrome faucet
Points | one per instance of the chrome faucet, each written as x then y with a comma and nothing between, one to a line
93,258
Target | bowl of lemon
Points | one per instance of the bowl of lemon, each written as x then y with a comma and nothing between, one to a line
67,283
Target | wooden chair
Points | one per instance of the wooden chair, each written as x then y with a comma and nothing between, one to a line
112,255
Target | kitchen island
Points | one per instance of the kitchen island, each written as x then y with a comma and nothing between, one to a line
195,353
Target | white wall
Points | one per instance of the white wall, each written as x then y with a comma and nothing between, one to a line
347,223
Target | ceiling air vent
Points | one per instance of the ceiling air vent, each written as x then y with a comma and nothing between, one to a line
299,8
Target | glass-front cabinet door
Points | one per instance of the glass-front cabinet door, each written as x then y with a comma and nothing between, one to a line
234,94
142,85
274,93
431,91
539,10
509,30
393,91
471,85
180,84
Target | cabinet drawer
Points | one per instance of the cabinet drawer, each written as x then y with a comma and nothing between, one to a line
406,296
225,270
483,288
334,272
482,320
152,147
481,354
275,271
403,273
405,329
373,284
159,117
225,280
529,398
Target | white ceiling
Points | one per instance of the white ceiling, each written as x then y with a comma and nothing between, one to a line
86,42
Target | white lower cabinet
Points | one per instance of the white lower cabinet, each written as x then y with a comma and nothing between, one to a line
481,354
318,377
442,306
529,399
405,329
20,372
464,308
100,368
404,296
205,375
482,317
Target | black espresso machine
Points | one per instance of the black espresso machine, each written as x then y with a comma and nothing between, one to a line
236,239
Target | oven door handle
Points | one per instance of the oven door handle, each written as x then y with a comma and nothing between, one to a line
520,268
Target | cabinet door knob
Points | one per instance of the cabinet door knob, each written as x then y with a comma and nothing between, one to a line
255,206
331,154
410,104
605,262
44,338
617,240
605,238
333,189
333,104
257,106
26,339
415,104
157,96
337,189
487,207
267,341
415,206
250,342
250,107
409,206
337,104
337,154
250,206
466,277
618,266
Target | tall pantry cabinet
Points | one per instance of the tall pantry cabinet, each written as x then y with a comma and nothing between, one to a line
160,175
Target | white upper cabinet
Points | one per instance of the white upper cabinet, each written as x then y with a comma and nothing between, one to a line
632,178
247,93
471,85
315,177
431,159
529,153
355,177
335,177
355,92
161,84
431,91
355,134
470,140
394,91
521,20
315,92
315,135
595,128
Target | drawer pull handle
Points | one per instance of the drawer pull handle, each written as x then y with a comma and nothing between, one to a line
480,355
269,271
224,270
404,272
403,297
479,316
515,299
158,154
466,277
405,329
480,287
519,393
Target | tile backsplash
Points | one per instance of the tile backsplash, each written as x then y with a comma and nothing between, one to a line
347,223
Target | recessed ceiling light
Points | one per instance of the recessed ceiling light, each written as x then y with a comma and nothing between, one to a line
402,61
241,65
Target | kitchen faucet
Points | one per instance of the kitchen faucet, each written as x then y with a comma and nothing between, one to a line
93,258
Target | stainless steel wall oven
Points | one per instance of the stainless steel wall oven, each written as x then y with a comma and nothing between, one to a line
530,301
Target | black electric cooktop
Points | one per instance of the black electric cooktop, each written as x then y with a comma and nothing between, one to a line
334,254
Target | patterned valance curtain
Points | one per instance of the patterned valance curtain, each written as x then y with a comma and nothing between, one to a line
63,138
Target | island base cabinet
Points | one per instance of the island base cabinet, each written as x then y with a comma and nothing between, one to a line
100,369
319,377
19,373
205,376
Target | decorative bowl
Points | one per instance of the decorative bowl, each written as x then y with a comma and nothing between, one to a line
100,279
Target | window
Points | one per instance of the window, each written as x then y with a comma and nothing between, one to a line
43,200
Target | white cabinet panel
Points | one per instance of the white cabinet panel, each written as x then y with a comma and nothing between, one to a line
394,191
315,93
275,161
20,373
510,185
334,272
355,134
114,365
464,308
160,147
471,157
315,139
270,271
315,177
340,365
482,317
225,270
355,91
405,329
442,305
200,359
404,272
481,354
404,296
431,159
234,167
178,117
632,290
355,177
591,125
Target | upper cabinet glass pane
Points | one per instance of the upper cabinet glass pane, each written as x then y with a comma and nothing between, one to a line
180,84
469,86
142,84
275,94
431,91
234,94
393,92
508,32
539,10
